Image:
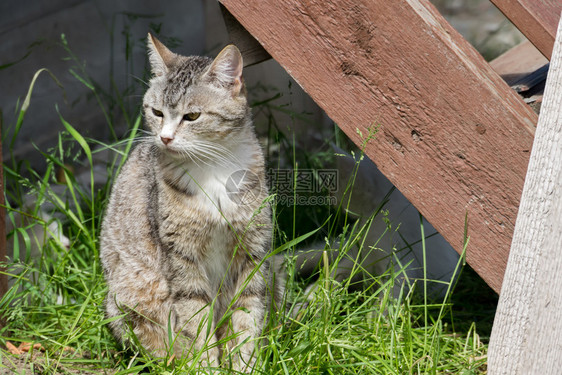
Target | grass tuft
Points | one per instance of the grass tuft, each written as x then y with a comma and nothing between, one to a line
387,325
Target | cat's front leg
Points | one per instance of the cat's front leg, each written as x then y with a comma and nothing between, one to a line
194,338
191,300
249,317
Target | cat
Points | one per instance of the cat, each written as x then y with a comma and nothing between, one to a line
178,250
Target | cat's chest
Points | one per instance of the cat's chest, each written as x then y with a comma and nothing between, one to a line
200,226
206,191
195,237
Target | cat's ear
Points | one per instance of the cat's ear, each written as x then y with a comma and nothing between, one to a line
227,69
160,57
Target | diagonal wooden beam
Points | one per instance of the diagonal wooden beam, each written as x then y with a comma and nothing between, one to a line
452,136
536,19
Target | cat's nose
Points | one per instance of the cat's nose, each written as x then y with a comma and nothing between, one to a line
166,140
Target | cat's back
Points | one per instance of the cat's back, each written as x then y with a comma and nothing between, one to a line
128,221
134,183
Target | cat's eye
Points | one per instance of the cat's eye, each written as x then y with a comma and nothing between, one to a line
192,116
157,113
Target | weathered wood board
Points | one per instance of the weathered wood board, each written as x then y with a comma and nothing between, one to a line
536,19
452,136
518,62
527,332
252,51
524,69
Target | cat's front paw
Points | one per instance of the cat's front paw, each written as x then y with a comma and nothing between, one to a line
200,358
244,367
242,361
210,358
206,364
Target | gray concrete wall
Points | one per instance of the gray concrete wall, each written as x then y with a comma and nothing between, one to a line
97,32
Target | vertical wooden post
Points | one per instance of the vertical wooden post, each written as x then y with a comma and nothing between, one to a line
527,333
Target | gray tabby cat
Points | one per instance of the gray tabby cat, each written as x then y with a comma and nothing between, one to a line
174,242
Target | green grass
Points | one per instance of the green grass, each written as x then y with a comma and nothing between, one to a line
57,295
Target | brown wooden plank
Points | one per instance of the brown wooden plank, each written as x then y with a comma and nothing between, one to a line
518,62
536,19
251,50
452,136
524,69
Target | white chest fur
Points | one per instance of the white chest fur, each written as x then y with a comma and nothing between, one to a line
205,188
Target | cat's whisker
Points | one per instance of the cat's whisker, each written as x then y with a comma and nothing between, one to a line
202,160
202,148
211,153
142,138
139,140
220,148
145,132
193,157
139,79
219,153
117,146
221,160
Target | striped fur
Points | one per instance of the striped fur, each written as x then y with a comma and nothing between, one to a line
175,244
